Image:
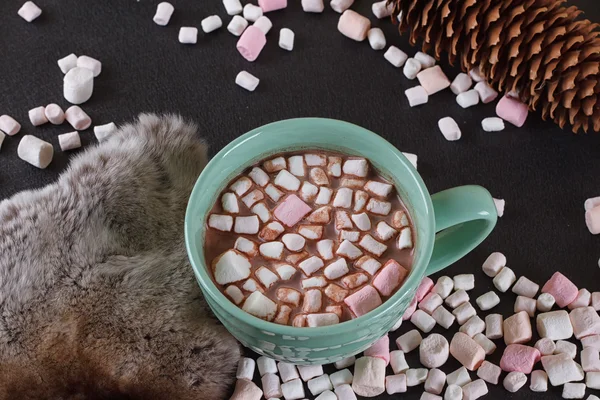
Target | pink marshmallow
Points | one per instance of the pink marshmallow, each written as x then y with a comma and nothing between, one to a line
513,111
251,43
363,301
563,290
292,210
424,288
433,79
412,307
519,358
380,349
354,25
390,277
585,321
272,5
592,220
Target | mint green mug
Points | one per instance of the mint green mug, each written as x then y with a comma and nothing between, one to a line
448,225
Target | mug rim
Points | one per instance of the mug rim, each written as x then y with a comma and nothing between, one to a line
198,193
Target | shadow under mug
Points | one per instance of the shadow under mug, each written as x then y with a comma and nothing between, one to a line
448,225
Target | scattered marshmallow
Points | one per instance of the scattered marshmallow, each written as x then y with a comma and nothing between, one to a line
453,392
460,377
583,299
342,377
443,317
545,346
339,6
499,203
464,312
37,116
381,9
466,351
554,325
539,381
395,384
444,286
561,369
461,83
264,24
252,41
567,348
519,358
525,287
345,363
287,371
485,343
473,326
327,395
395,56
412,158
416,376
488,301
311,265
504,280
237,25
293,389
492,124
245,369
489,372
512,110
525,304
67,63
494,326
464,281
592,380
486,93
188,35
369,376
29,11
430,302
286,39
271,386
514,381
260,306
457,298
102,132
272,5
436,379
423,321
585,322
246,390
409,341
398,361
164,11
493,264
353,25
411,68
517,329
416,96
78,85
545,302
468,99
35,151
345,391
69,141
449,128
573,391
313,6
252,13
476,75
425,59
434,351
474,390
376,38
433,79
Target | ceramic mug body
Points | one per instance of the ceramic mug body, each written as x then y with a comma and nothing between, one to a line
467,214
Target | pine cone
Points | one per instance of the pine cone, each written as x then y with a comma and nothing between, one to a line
535,48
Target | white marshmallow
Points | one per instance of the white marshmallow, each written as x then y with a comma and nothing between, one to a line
307,372
384,231
561,369
397,325
293,241
69,141
296,165
590,359
443,287
545,302
188,35
564,347
235,294
449,128
293,390
285,271
362,221
464,312
457,298
409,341
499,203
229,203
231,267
468,99
505,278
539,381
345,363
493,264
90,63
592,380
461,83
252,12
325,249
381,9
525,287
220,222
313,232
260,177
271,386
369,376
287,371
37,116
395,56
596,301
246,225
247,81
591,203
251,286
164,11
443,317
315,160
423,321
327,395
286,39
412,158
78,85
343,377
379,207
67,63
434,351
347,249
494,326
35,151
345,391
473,326
336,269
9,125
351,236
241,186
430,302
436,379
308,191
266,276
260,306
314,282
486,93
311,265
313,6
411,68
378,188
339,6
475,74
287,181
416,96
591,341
398,361
356,167
460,377
29,11
325,319
583,299
237,25
465,282
573,391
376,38
324,196
555,325
319,384
416,376
245,370
373,246
474,390
271,250
232,7
425,59
484,342
252,198
264,24
360,200
212,23
487,301
525,304
545,346
453,392
102,132
492,124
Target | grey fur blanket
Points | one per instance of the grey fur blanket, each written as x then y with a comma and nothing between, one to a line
97,299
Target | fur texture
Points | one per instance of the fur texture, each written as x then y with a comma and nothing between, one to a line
97,298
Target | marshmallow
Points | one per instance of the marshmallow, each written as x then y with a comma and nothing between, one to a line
342,220
313,6
492,124
468,99
343,198
353,281
271,250
37,116
35,151
488,301
327,395
474,390
29,11
164,11
410,310
335,293
592,380
339,6
78,85
494,326
266,276
241,186
412,158
251,43
519,358
292,210
485,343
460,377
54,114
245,369
464,312
376,38
590,360
423,321
461,83
260,306
591,203
489,372
433,79
517,328
486,93
252,12
499,203
343,377
476,75
545,346
348,250
69,141
444,286
222,223
545,302
363,301
514,381
525,304
505,278
378,188
554,325
473,326
525,287
596,301
416,376
293,241
102,132
592,221
585,322
430,303
345,363
264,24
229,203
493,264
425,59
381,9
583,299
539,381
512,110
434,351
308,191
395,56
90,63
345,391
424,288
312,301
369,376
449,128
465,282
411,68
293,390
251,286
443,317
591,341
288,372
311,265
321,215
336,269
436,379
356,167
246,390
397,325
573,391
247,81
319,384
246,246
286,39
399,220
395,384
334,166
362,221
235,294
237,25
390,278
272,5
353,25
380,349
416,96
409,341
384,231
271,386
467,351
379,207
568,348
453,392
561,369
307,372
398,361
457,298
288,295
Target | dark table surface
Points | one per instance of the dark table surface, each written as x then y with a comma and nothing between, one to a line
544,173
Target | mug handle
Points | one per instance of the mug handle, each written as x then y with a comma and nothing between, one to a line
464,217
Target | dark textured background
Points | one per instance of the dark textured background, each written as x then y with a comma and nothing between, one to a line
544,173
